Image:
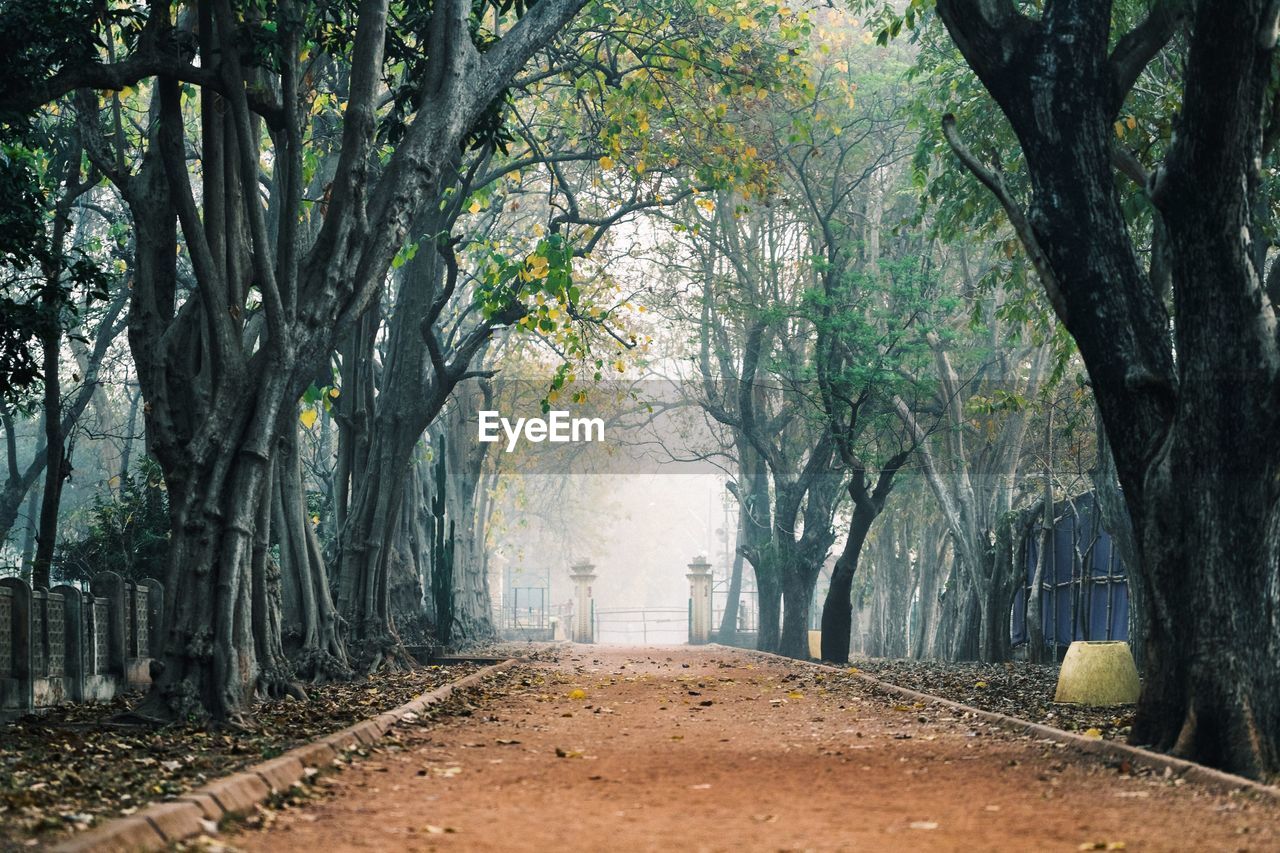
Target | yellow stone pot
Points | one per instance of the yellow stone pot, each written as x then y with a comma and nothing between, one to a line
1098,673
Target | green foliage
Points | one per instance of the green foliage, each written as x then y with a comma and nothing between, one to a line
126,532
37,39
40,284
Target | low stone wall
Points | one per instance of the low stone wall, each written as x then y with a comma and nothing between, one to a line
66,645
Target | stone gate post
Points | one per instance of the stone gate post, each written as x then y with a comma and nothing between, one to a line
583,575
699,601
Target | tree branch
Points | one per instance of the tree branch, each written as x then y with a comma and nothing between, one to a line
1141,44
1017,217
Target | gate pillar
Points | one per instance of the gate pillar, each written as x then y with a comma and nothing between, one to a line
699,601
583,575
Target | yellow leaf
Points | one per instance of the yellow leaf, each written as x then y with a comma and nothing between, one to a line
308,417
1092,734
795,694
981,685
606,163
475,206
577,693
1131,123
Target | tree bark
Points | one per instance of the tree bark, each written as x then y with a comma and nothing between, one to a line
312,637
837,610
1193,440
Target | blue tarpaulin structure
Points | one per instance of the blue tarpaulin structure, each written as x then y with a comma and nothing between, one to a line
1083,591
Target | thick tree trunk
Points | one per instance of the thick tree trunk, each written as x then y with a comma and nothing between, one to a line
410,569
1211,551
1193,438
837,610
769,590
797,598
868,503
313,640
210,663
365,549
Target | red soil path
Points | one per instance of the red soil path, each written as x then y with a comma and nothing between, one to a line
686,749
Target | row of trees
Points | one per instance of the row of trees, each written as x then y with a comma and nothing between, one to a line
319,225
353,216
1121,164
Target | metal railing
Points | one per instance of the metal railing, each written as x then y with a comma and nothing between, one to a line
642,625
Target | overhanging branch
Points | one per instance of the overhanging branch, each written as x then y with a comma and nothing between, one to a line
993,181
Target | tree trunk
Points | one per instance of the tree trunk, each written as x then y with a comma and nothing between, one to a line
729,619
473,605
769,590
59,467
313,641
1211,553
275,673
837,610
932,577
210,656
797,597
1192,436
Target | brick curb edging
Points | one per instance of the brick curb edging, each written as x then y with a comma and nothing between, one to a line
1189,770
161,824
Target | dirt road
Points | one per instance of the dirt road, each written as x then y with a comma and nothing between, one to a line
685,749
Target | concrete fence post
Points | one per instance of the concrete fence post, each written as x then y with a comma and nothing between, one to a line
16,688
73,617
155,622
111,586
